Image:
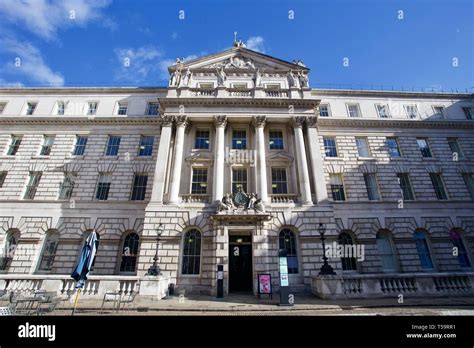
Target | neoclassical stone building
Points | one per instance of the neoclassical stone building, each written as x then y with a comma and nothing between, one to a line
237,159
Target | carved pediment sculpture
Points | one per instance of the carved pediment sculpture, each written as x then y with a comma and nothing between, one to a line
240,201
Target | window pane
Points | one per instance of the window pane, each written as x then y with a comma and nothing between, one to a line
362,147
67,185
337,187
146,145
330,148
424,147
386,252
239,139
393,149
103,187
276,140
469,180
32,185
113,146
438,186
122,109
130,253
423,250
371,185
191,252
324,110
287,241
202,139
348,261
153,108
139,187
49,252
14,145
279,182
383,111
199,181
467,112
405,186
353,110
239,179
3,176
81,143
458,243
47,145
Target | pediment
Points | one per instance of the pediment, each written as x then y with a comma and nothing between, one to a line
238,59
280,156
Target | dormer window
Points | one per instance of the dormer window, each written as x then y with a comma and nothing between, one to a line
30,108
60,108
92,108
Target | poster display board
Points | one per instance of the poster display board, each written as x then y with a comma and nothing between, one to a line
265,285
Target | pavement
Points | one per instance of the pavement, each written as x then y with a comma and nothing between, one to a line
243,304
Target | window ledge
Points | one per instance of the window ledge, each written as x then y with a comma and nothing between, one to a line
429,159
397,159
7,156
41,157
75,156
110,157
366,158
143,158
339,158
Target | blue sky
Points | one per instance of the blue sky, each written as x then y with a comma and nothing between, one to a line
41,45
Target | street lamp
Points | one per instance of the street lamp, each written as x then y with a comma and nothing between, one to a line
154,269
326,269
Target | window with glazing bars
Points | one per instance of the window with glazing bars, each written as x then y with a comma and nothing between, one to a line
14,145
383,111
467,112
469,180
411,110
48,141
371,185
438,186
146,145
91,108
239,179
455,148
3,175
324,110
424,147
353,110
49,252
191,252
122,108
202,139
405,186
279,181
153,108
276,140
113,145
103,186
139,187
80,145
199,181
458,243
67,185
362,147
393,148
287,241
61,108
130,253
330,148
32,185
239,139
337,187
423,250
348,261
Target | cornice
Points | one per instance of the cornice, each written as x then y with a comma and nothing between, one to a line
82,90
377,123
20,120
167,102
401,94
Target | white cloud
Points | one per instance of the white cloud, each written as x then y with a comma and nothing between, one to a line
137,65
28,61
255,43
5,83
45,17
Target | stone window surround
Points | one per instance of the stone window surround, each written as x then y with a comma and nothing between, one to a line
285,138
120,249
180,257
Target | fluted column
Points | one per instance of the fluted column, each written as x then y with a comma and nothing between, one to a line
162,160
181,122
317,167
218,186
303,174
262,188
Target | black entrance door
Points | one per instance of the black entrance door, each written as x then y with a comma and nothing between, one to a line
240,267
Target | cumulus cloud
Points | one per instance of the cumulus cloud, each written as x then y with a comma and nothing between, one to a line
46,17
28,62
255,43
138,64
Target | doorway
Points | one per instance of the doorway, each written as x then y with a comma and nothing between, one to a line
240,263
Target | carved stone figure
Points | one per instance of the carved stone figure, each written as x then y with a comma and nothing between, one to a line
251,201
221,76
186,78
258,206
291,79
250,64
225,204
175,78
303,78
258,78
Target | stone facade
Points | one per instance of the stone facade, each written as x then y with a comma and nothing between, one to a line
241,96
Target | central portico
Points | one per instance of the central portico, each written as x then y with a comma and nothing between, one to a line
235,121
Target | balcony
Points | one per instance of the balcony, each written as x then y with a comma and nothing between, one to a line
277,93
196,198
201,92
389,285
284,198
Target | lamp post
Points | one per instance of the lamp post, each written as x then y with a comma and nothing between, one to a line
326,269
154,269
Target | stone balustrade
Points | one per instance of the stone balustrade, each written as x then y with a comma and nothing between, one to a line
233,92
390,285
195,198
284,198
95,287
277,93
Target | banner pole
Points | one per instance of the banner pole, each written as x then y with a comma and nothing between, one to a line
76,300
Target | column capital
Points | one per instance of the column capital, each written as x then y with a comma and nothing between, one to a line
312,121
259,121
181,120
167,120
298,121
220,120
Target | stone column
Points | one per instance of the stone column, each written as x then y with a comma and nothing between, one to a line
303,174
162,160
181,122
319,180
218,185
262,187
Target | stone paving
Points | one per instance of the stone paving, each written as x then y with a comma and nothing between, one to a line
249,305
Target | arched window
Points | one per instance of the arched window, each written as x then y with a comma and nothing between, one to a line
287,241
348,259
129,253
423,249
387,254
191,252
463,256
11,243
49,251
